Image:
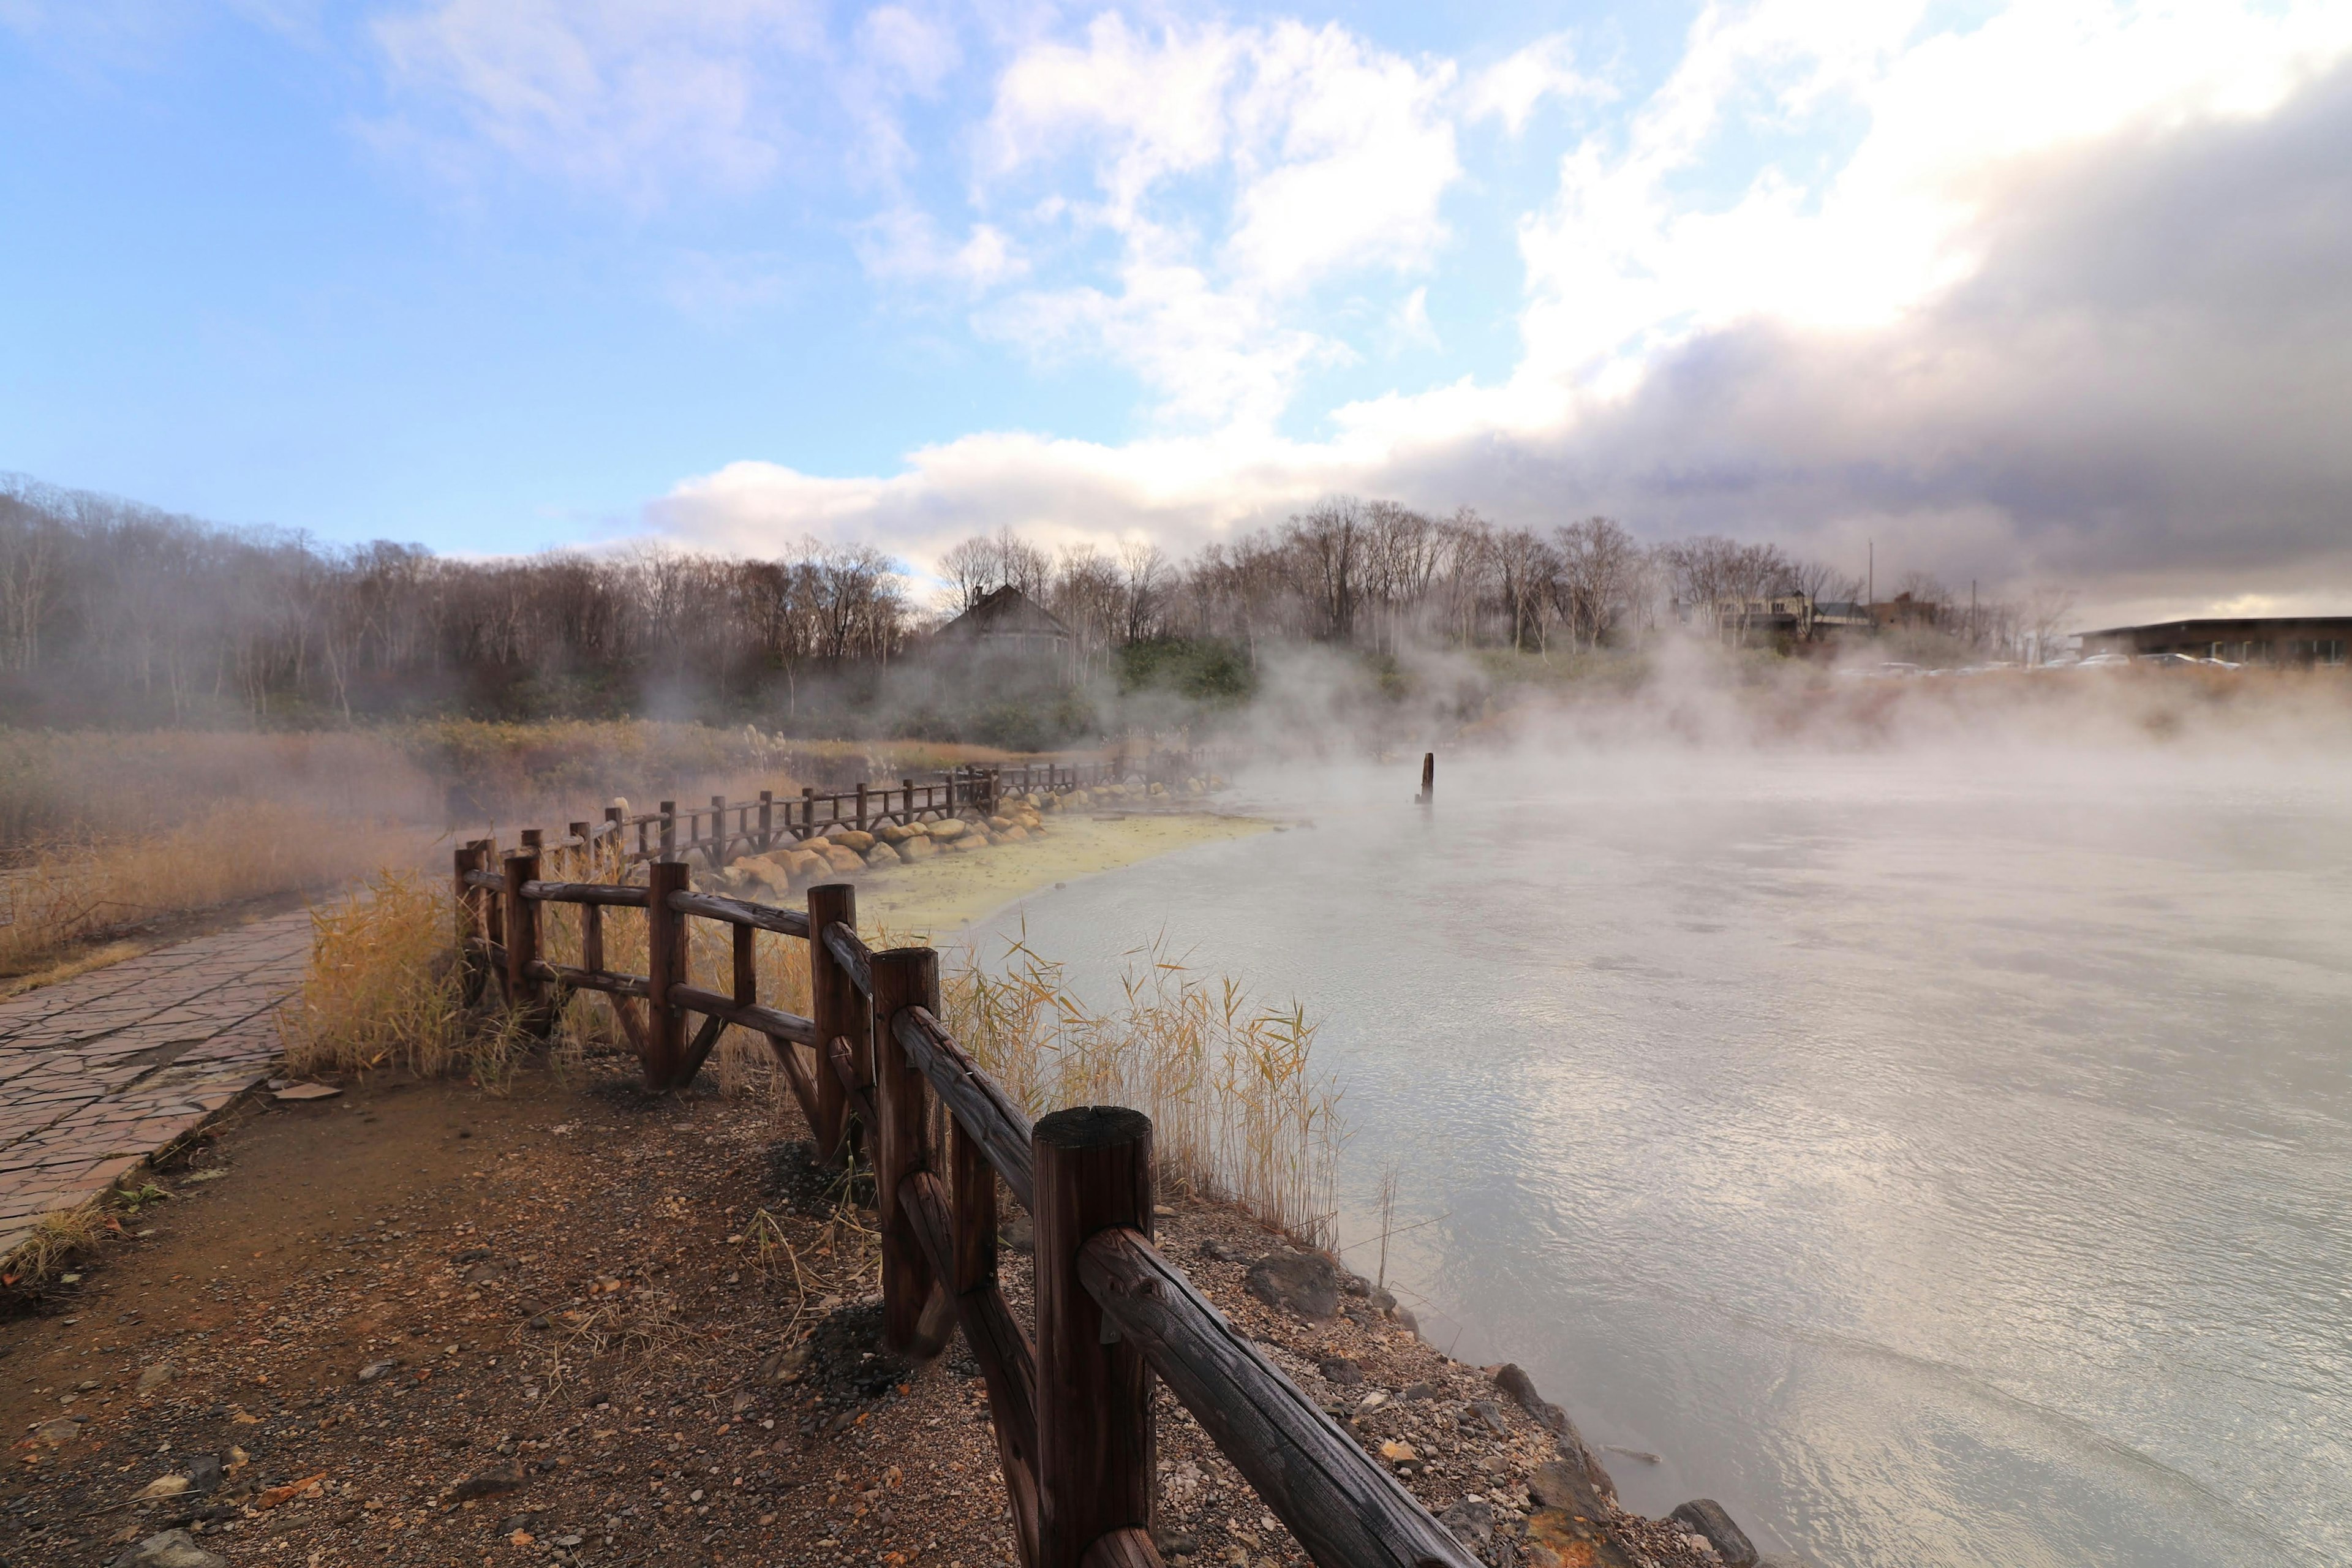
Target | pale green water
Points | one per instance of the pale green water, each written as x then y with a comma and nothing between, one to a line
1938,1161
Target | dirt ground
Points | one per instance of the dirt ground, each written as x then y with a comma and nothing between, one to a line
570,1323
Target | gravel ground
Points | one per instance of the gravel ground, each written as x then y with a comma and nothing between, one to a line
569,1324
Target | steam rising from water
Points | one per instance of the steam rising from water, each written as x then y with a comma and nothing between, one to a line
1932,1135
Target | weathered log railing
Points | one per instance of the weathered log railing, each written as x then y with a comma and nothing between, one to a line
1070,1402
714,834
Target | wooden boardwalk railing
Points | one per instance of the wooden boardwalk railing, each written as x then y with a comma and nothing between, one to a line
717,832
1070,1399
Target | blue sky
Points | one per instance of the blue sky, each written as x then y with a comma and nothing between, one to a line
496,275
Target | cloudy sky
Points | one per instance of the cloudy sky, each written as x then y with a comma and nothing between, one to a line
2051,292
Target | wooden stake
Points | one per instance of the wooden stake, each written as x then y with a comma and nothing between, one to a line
915,1312
1095,1447
665,965
839,1010
524,995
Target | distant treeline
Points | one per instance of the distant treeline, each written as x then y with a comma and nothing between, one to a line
115,612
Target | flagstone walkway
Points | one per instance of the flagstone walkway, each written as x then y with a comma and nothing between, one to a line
101,1071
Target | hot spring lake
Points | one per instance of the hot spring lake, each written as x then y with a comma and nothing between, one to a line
1938,1161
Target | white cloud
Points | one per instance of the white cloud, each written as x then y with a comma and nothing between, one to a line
1511,88
631,95
1231,168
904,244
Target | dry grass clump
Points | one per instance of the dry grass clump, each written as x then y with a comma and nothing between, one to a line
1237,1109
384,988
54,1242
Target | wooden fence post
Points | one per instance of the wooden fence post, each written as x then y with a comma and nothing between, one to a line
668,829
1428,779
1094,1447
524,995
838,1012
473,932
861,805
717,831
665,965
808,811
767,820
916,1313
909,785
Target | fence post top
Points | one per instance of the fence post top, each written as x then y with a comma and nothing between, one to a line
1092,1127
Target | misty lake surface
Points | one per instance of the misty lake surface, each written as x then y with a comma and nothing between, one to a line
1939,1160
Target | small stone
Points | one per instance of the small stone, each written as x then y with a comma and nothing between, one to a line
298,1091
1419,1390
154,1377
1491,1414
203,1473
1175,1542
471,1254
165,1486
376,1369
1342,1371
1306,1283
1708,1519
1472,1520
57,1434
1398,1453
171,1549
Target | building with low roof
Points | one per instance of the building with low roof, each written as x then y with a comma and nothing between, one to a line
1006,636
2309,640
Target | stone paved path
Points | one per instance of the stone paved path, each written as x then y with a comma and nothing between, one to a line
101,1070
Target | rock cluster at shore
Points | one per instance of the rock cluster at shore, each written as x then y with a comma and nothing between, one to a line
843,851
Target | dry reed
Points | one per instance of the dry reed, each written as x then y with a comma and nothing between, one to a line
383,987
1237,1109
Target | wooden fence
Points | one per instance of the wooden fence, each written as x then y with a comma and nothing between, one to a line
1070,1399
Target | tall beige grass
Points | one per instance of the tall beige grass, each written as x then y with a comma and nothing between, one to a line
384,988
63,894
1238,1110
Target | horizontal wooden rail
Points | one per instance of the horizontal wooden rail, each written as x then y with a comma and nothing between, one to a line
984,1111
739,912
495,881
774,1023
1344,1506
619,895
602,980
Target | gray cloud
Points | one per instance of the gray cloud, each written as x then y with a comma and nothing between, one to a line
2146,389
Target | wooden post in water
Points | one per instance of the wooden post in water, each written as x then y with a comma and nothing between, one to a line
837,1010
1095,1447
665,965
1428,779
917,1315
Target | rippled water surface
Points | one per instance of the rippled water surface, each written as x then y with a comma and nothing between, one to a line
1940,1161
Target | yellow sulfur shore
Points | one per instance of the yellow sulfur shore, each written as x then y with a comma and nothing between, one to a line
939,896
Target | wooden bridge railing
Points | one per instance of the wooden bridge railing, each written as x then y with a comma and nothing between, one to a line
1070,1399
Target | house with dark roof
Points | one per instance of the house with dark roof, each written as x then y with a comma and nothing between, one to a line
1006,634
